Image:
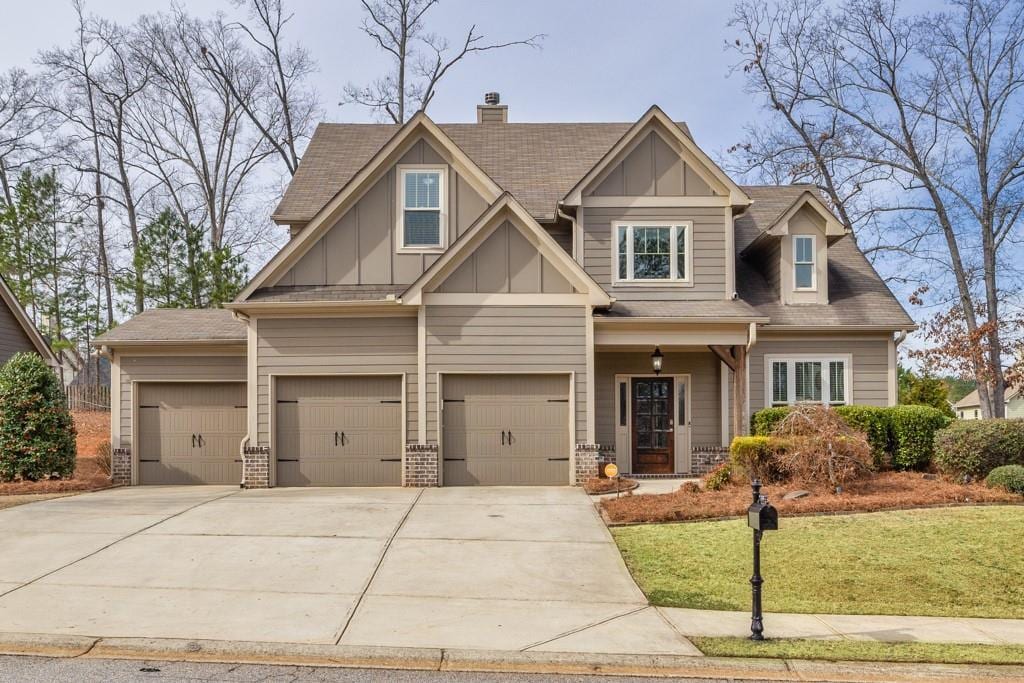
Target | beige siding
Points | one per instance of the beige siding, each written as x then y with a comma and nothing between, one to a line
12,335
360,247
506,262
506,339
870,364
705,409
324,346
652,168
709,242
171,368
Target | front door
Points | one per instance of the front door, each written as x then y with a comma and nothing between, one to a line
653,426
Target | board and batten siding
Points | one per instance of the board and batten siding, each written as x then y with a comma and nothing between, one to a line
708,242
13,338
705,409
360,248
506,339
651,169
172,369
870,364
334,346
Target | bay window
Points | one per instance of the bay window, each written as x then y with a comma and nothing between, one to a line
807,379
652,252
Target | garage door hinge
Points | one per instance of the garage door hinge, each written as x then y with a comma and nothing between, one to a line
455,460
558,459
149,406
454,400
287,459
144,460
391,460
241,406
387,400
558,400
281,400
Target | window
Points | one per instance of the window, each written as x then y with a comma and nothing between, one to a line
807,380
803,262
422,218
653,252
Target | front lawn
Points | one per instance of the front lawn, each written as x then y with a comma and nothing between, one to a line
943,562
862,651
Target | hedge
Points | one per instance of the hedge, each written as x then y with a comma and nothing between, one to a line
764,422
37,434
1007,477
754,457
976,447
876,423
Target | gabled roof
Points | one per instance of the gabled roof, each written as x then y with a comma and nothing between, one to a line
504,208
971,400
176,325
39,342
779,226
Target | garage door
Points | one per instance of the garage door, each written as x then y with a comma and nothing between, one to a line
339,431
190,432
505,429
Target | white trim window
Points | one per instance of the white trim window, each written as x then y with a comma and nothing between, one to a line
808,379
653,252
804,272
422,211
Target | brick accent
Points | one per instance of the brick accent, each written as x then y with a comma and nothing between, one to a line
121,467
706,458
420,465
586,462
256,467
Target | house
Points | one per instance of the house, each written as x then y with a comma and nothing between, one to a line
483,303
17,331
969,407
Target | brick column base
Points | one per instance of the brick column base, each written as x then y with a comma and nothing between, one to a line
256,467
706,458
420,466
121,467
585,464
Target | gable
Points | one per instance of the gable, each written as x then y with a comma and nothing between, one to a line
506,262
13,338
652,169
806,221
360,247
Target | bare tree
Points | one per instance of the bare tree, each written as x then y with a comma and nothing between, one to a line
420,58
927,105
21,121
284,109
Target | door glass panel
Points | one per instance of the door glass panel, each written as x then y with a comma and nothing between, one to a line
682,403
623,404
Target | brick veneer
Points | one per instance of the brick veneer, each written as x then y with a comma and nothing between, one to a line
256,467
586,462
706,458
121,467
420,467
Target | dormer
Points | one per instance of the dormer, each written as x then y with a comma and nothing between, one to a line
793,251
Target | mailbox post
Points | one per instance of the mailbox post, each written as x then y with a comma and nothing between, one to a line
761,517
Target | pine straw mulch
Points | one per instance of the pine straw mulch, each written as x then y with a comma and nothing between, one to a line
600,485
881,491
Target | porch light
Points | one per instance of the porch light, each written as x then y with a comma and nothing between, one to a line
656,359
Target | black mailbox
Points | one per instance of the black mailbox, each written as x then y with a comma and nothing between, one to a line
761,516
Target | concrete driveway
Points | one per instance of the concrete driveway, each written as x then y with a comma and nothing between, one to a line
493,568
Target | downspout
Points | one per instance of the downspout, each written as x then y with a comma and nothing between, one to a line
243,318
751,336
899,338
572,221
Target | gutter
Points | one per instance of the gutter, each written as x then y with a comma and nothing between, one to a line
900,337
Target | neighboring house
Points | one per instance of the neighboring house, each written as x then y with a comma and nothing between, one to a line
969,407
18,332
480,304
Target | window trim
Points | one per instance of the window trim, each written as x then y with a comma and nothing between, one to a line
813,263
400,209
673,249
824,359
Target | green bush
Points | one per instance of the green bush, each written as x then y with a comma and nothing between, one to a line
1008,477
37,434
876,423
913,435
718,478
756,457
764,421
976,447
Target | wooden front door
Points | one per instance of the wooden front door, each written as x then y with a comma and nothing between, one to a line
653,426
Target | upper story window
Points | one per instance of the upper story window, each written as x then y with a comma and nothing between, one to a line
803,262
653,252
422,211
800,379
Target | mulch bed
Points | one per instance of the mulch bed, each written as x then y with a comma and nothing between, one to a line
881,491
599,485
91,474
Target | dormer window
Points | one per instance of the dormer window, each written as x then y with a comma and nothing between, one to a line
803,262
422,215
653,253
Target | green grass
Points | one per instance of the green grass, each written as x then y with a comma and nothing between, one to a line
862,651
942,562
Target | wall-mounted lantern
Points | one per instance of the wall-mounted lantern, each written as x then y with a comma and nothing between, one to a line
656,360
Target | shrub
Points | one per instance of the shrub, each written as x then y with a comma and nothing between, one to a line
764,421
104,458
756,457
876,423
820,446
37,434
976,447
1007,477
718,478
913,435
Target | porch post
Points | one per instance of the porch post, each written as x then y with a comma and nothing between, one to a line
740,425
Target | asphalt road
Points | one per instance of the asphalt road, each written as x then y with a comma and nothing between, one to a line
32,669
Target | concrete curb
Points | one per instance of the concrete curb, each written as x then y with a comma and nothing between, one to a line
437,659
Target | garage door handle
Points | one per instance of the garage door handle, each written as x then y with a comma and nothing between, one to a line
193,441
200,440
391,460
558,459
502,437
335,438
144,460
287,459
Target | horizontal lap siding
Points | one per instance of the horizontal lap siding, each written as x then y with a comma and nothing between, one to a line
708,249
705,397
173,369
335,346
870,365
13,338
497,339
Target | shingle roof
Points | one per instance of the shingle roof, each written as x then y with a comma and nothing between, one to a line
971,400
740,310
176,325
